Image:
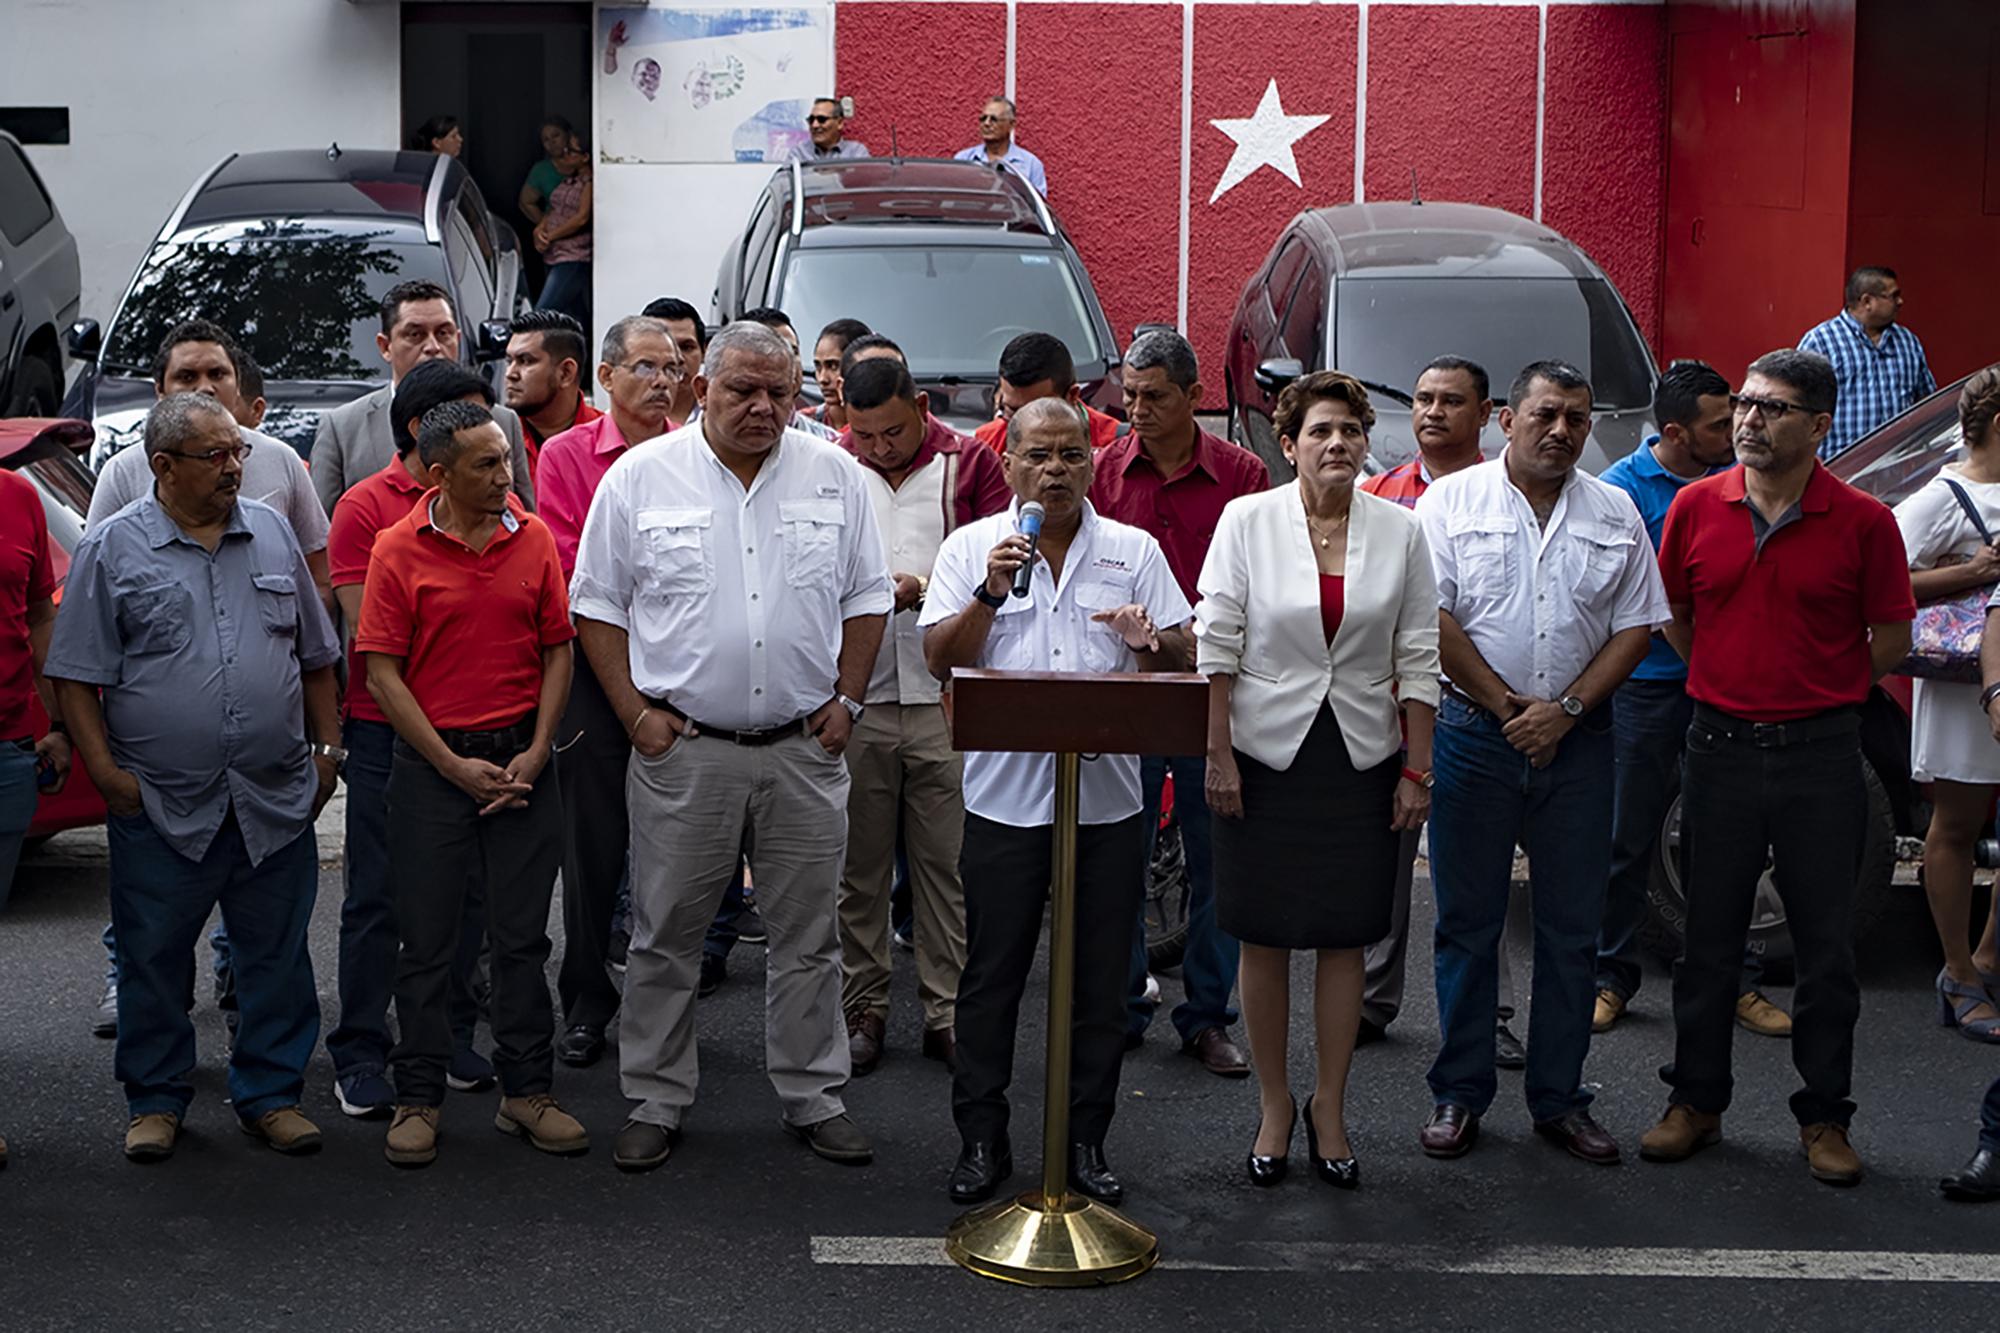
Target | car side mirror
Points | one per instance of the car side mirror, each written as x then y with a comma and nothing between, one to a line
84,340
491,344
1273,375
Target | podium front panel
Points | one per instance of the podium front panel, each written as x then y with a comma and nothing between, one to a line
1055,712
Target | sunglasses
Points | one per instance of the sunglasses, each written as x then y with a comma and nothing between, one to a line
821,120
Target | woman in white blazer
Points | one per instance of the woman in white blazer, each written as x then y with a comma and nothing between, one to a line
1318,632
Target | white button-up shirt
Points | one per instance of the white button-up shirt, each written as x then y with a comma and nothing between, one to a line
733,599
1108,565
912,520
1539,604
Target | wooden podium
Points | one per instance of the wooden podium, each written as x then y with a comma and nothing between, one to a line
1050,1237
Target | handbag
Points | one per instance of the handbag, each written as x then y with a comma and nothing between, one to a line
1944,637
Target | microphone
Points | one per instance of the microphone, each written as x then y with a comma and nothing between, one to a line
1030,526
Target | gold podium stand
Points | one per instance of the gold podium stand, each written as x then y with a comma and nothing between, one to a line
1050,1237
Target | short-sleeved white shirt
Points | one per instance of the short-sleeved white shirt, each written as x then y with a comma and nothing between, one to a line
1108,565
1539,604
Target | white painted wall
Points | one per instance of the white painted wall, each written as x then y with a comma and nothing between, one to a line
159,90
661,231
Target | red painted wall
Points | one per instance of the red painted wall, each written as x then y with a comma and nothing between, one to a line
1926,178
924,68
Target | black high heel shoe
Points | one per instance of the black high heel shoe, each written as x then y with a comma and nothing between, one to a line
1268,1171
1339,1172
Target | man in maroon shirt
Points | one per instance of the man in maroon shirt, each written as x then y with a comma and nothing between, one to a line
1172,478
1791,597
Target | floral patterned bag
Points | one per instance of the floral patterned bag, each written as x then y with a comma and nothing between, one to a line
1944,638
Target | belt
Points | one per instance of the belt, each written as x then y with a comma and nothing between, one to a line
501,742
768,736
22,743
1778,735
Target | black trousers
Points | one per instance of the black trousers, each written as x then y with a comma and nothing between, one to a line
439,845
1804,803
1006,875
591,763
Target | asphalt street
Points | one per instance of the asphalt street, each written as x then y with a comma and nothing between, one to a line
745,1229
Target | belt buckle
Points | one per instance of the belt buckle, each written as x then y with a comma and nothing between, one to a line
1768,735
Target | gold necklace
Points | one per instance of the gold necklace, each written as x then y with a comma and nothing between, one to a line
1325,540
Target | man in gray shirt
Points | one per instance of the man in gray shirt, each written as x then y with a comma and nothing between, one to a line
826,123
193,613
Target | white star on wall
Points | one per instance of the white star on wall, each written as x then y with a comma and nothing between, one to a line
1265,139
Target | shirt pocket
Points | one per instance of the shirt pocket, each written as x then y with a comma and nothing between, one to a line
1603,553
674,549
811,531
277,603
1485,552
156,619
1103,647
1010,644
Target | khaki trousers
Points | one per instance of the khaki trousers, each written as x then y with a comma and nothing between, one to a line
689,810
903,766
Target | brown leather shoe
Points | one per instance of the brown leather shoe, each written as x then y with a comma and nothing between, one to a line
1829,1155
1218,1054
941,1044
1610,1008
285,1129
1450,1132
1585,1139
150,1137
413,1136
1756,1014
541,1122
1681,1133
865,1032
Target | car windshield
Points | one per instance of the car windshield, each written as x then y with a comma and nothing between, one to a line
306,301
1898,459
953,309
1386,329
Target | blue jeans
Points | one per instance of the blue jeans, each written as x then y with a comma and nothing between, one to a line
1486,798
18,794
567,288
1649,722
159,900
1208,966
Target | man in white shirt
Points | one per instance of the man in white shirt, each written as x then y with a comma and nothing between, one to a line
1101,599
924,480
1549,595
730,593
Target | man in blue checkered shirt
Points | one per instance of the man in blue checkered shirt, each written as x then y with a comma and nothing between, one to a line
1879,363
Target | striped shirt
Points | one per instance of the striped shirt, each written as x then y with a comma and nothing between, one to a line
1405,485
1877,380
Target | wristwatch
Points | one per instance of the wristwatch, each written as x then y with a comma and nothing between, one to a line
1571,705
1426,779
995,602
333,752
1988,695
854,710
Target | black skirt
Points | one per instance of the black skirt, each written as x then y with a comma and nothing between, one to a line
1312,862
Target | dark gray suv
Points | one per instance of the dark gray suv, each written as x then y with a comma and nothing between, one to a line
1378,290
40,286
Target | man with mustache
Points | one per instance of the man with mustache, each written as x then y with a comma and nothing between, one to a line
1791,598
1548,598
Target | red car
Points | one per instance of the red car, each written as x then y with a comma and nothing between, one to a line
45,451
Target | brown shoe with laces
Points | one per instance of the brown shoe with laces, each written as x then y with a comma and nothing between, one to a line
1681,1133
1830,1157
413,1136
1610,1008
865,1034
150,1137
287,1130
541,1122
1756,1014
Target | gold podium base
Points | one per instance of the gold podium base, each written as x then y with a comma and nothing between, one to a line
1078,1243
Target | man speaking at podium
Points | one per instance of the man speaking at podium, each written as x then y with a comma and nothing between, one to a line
1098,598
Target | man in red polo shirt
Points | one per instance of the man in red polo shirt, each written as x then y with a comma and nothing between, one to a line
546,354
1171,479
1038,365
641,371
466,628
1791,598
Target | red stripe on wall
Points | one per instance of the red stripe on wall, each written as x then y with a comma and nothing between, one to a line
1238,50
1451,93
1603,143
1099,90
923,69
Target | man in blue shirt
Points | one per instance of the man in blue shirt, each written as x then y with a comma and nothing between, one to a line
1879,364
996,146
1651,710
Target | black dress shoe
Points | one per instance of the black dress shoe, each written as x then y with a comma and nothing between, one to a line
980,1169
1339,1172
1978,1181
1450,1132
582,1046
1090,1176
1584,1137
1508,1052
1369,1033
1268,1171
714,971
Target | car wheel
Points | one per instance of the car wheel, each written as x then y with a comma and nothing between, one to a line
1166,900
36,392
1665,929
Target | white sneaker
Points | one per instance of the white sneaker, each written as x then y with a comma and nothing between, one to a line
1152,989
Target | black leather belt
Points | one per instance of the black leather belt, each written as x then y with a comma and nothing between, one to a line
501,742
1778,735
769,736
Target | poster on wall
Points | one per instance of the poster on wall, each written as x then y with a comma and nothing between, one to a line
709,84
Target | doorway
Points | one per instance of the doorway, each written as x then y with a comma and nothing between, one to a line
499,68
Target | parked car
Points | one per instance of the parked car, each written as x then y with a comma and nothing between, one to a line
1378,290
953,260
1891,463
40,287
291,252
46,452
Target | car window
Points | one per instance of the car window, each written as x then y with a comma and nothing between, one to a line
474,212
1285,271
1387,329
305,300
1893,463
475,283
1305,317
24,206
953,308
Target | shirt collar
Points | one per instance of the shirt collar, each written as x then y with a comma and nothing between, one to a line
425,515
1818,496
397,478
163,531
938,439
1126,453
609,439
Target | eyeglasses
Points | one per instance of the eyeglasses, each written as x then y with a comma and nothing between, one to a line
649,371
1771,409
820,120
213,457
1068,457
984,118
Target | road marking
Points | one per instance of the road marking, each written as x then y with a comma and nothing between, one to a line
1502,1261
